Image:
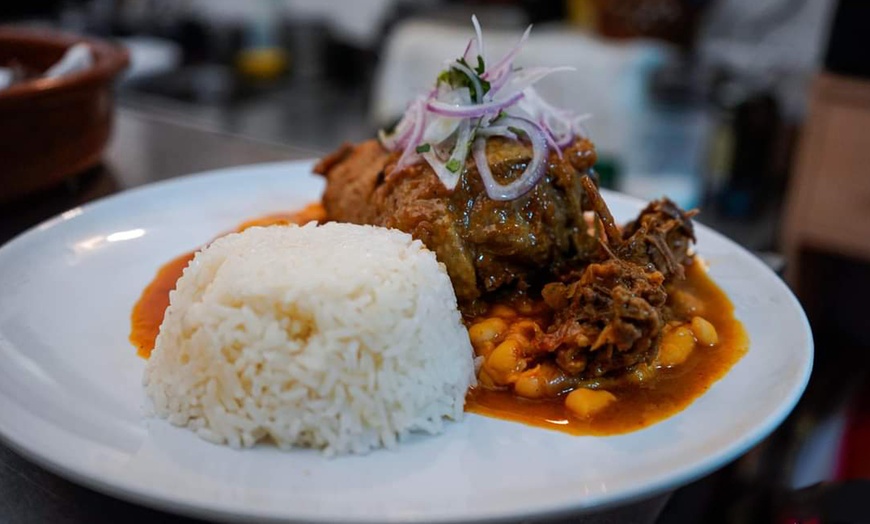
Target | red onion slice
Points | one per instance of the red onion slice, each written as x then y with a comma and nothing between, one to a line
533,172
503,66
525,78
460,153
447,122
480,49
400,134
551,140
467,54
440,129
463,144
577,125
447,178
409,155
498,130
472,111
460,96
557,123
465,70
563,142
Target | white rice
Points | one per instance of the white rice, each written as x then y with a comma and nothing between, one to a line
339,337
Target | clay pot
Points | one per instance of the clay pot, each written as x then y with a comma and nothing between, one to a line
51,129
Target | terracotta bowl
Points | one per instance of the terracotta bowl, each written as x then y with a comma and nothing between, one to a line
51,129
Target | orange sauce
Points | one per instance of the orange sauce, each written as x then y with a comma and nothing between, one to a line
148,312
637,406
644,404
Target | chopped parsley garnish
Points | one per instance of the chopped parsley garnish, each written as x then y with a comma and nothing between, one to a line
515,130
480,67
423,148
453,165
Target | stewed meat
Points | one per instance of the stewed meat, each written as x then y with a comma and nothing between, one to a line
486,245
603,287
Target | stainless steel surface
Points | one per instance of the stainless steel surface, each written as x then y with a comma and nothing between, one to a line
148,148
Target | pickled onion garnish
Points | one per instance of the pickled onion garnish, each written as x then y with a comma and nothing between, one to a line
471,103
527,180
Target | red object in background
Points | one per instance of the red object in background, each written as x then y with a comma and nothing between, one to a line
854,458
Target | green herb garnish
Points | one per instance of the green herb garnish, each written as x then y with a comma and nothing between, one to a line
480,67
423,148
456,78
453,165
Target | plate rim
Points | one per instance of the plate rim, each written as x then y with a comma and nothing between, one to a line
663,482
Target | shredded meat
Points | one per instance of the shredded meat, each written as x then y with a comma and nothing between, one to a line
659,237
609,316
606,319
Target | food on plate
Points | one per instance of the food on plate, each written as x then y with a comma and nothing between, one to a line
486,244
501,185
340,337
574,322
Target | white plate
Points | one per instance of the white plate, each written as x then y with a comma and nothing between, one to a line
71,399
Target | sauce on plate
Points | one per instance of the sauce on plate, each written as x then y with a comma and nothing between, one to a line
638,405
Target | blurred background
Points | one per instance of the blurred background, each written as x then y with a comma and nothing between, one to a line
757,112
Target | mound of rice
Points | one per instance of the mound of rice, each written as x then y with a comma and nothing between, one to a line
339,337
